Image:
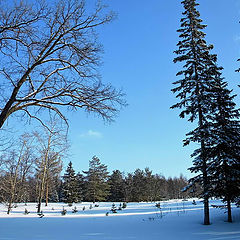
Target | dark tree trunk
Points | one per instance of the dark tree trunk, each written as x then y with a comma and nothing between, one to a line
206,199
229,209
206,212
204,167
39,206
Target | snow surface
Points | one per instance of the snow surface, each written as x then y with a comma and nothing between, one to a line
177,219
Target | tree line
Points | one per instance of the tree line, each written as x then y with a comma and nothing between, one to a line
32,172
97,184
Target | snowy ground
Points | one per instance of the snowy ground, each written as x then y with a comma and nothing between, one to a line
180,220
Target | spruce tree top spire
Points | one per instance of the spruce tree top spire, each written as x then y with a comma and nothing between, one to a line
194,52
97,176
70,185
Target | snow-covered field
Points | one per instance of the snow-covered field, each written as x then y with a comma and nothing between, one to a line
177,219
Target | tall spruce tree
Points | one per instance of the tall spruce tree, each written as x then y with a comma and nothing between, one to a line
70,186
194,91
97,187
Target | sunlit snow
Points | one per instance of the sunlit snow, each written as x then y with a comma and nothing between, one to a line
176,219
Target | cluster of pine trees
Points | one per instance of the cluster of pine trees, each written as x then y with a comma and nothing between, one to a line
204,98
97,184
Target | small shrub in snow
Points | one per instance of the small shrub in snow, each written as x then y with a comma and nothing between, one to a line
26,211
120,207
64,212
74,210
41,214
114,209
158,205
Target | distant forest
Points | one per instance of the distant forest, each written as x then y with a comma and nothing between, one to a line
95,184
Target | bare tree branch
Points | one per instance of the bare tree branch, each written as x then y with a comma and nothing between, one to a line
51,58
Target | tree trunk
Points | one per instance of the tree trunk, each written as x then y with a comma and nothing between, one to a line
11,199
204,168
46,202
229,209
206,199
39,205
43,180
42,186
9,207
13,187
41,190
206,211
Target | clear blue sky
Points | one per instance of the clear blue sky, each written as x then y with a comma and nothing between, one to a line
138,56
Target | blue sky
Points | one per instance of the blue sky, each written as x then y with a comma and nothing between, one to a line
139,47
138,56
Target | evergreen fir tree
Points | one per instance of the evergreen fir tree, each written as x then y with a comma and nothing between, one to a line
116,183
70,186
149,192
138,190
80,186
128,188
97,187
194,91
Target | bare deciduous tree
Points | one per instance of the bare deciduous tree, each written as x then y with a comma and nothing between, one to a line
49,60
52,146
54,169
16,165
